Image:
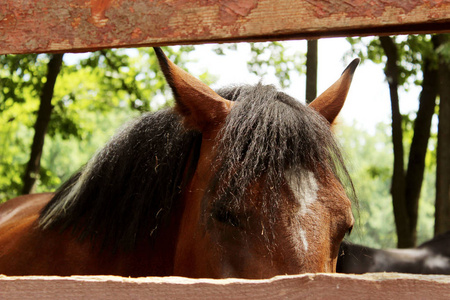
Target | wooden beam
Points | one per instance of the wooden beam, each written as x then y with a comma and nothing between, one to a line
81,25
309,286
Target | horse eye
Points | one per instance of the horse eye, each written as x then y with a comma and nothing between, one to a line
226,217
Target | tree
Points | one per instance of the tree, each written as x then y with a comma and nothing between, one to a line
41,125
443,149
22,78
398,179
311,71
404,61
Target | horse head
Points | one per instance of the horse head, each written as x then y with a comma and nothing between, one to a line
266,197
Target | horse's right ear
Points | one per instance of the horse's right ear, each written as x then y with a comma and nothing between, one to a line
201,107
330,102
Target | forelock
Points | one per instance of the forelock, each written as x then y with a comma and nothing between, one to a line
267,134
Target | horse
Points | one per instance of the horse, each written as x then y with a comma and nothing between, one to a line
431,257
243,182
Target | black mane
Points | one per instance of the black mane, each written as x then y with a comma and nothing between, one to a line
128,189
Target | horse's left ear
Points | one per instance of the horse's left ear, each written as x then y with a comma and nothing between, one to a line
330,102
201,107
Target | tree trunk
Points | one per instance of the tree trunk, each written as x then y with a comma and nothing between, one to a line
41,125
443,148
419,145
406,188
311,71
398,177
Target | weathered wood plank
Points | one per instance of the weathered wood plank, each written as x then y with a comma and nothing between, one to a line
80,25
308,286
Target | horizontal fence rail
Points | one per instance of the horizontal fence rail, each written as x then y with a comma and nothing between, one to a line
308,286
79,25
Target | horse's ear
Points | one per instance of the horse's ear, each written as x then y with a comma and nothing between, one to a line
201,107
330,102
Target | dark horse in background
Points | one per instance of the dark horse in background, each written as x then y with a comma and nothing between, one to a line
431,257
244,182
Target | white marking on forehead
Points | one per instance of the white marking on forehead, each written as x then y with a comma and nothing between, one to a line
302,234
304,186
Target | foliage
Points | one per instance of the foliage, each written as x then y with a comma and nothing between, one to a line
22,77
21,81
371,169
412,49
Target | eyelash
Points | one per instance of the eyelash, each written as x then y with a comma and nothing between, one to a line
349,231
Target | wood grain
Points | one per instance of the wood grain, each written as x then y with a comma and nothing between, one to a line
309,286
80,25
